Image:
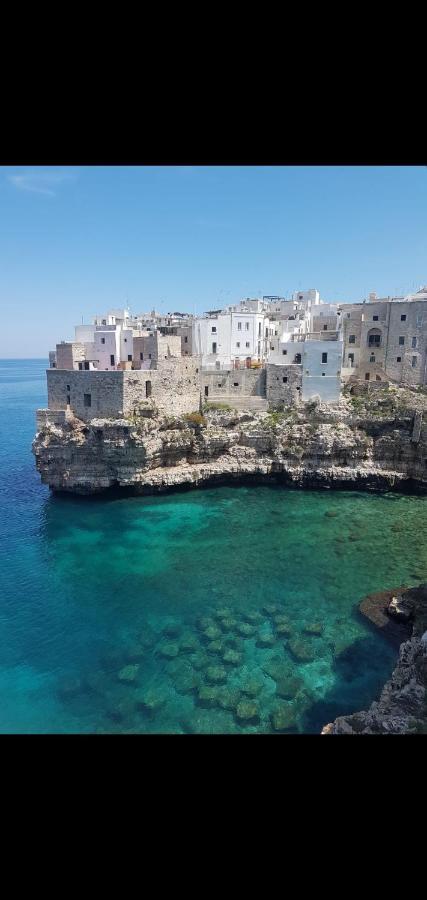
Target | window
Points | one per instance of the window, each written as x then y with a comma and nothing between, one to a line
351,358
325,328
213,329
398,359
125,340
247,326
324,374
414,362
86,366
248,344
129,357
401,341
239,326
374,340
348,315
112,359
375,318
324,357
259,329
87,399
68,387
284,352
149,356
104,322
238,344
352,339
141,356
219,384
214,347
372,357
102,340
297,358
236,383
206,391
80,366
414,342
68,400
285,378
403,318
148,388
186,340
367,376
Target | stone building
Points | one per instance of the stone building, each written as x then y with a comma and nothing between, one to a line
150,348
386,340
173,388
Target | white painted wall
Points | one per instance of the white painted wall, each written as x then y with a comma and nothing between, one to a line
107,344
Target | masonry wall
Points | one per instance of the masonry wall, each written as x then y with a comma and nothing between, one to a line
414,331
69,354
234,382
174,387
283,384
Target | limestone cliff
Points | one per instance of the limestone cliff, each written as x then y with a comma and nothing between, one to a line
373,443
402,706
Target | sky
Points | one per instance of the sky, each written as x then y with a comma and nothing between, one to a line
78,240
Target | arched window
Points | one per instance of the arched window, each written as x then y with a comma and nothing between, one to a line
374,337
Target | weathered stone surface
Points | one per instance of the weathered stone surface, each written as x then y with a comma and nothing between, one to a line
314,628
169,651
365,449
402,705
216,674
208,695
283,718
301,650
150,700
232,657
247,711
128,674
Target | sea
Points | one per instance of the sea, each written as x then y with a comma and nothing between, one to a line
228,610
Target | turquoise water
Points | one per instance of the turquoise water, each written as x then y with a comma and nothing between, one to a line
187,612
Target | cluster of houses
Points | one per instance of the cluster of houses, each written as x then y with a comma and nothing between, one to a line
271,349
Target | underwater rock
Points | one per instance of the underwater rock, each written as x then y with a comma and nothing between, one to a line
331,513
277,668
172,629
229,697
128,674
253,617
69,688
150,700
265,641
205,622
212,633
233,657
216,674
215,647
169,651
228,623
189,643
314,628
283,718
187,682
247,711
246,630
223,612
288,686
301,650
251,685
283,629
270,609
199,660
207,695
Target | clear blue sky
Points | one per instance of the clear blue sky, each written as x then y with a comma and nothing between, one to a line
78,240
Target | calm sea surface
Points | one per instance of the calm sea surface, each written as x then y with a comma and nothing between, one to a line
188,612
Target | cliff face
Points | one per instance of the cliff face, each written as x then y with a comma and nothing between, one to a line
378,444
402,707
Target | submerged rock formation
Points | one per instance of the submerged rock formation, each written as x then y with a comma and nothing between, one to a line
372,442
402,706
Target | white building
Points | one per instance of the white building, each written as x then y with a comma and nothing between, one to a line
231,339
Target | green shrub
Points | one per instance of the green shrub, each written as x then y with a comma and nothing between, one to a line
214,405
195,418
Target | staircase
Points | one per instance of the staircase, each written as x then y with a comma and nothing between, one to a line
251,402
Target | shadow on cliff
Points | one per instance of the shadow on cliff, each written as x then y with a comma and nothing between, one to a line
361,671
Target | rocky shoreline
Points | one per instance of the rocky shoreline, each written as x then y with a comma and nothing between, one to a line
357,444
402,706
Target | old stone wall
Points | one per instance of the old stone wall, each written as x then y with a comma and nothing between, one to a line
69,354
154,347
283,384
233,382
174,387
